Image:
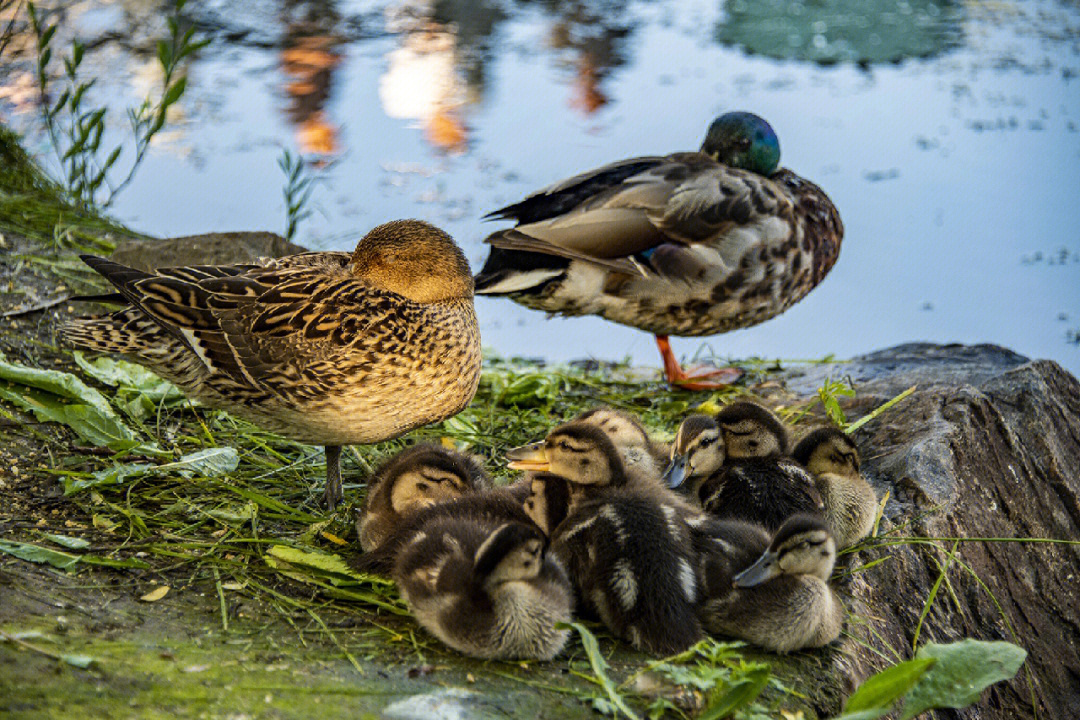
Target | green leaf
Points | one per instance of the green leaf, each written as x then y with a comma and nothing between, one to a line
738,694
71,543
79,661
881,691
38,554
46,36
321,562
599,668
77,51
212,462
164,53
962,671
174,92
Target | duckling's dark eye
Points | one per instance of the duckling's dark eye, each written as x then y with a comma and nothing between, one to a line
422,487
836,458
706,442
565,446
744,142
529,504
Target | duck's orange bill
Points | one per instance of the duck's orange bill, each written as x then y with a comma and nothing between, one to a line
536,465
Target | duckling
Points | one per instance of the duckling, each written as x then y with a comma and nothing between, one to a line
694,243
697,453
486,590
782,602
415,478
758,482
640,451
850,503
578,450
494,506
630,559
327,348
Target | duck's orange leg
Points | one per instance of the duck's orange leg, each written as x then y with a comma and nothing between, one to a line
699,378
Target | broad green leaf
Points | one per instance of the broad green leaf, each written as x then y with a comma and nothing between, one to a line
123,374
212,462
38,554
71,543
961,672
738,695
881,691
56,382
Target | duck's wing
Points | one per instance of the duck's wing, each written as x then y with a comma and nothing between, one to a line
247,323
618,215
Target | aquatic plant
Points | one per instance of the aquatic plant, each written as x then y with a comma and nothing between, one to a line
76,130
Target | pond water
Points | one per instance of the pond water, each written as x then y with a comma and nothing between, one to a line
947,134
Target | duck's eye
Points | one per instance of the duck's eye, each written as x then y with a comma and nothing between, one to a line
422,487
529,504
563,445
836,458
706,442
744,142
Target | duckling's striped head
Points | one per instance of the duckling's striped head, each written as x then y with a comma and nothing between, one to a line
698,450
828,450
802,546
625,430
414,259
514,551
426,474
578,451
743,140
752,431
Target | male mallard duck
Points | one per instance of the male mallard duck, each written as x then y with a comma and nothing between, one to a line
693,243
758,481
490,591
327,348
850,503
696,453
781,602
415,478
627,546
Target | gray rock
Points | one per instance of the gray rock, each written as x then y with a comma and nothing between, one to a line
987,447
208,249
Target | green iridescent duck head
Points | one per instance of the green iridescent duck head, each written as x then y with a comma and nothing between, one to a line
743,140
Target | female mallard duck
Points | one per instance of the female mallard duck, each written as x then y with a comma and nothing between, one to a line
325,348
758,481
781,602
487,590
696,453
850,503
693,243
415,478
629,550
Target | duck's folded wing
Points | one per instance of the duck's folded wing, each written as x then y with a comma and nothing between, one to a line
249,325
679,201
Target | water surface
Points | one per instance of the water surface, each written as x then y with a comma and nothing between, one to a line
945,132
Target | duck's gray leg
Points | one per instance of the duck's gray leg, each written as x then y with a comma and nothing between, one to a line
333,493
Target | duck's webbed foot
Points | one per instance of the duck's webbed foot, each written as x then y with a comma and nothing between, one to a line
696,378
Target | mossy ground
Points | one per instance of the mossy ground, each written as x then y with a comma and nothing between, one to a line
238,635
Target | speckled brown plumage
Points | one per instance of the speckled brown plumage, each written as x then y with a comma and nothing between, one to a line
327,348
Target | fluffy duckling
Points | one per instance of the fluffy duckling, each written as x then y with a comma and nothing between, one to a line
574,450
693,243
758,482
641,453
327,348
630,558
486,590
781,602
415,478
487,507
697,453
850,503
